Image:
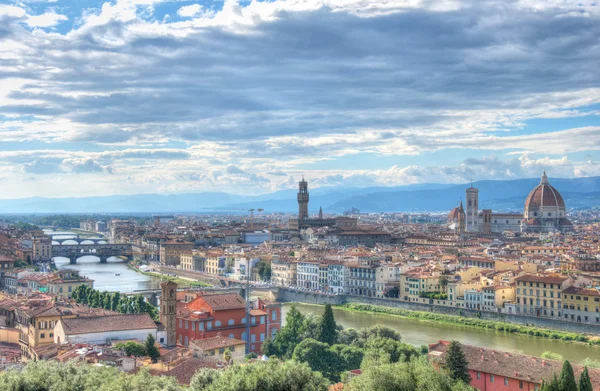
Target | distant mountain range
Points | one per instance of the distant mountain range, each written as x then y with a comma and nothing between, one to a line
502,195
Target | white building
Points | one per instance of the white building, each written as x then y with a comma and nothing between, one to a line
308,274
337,278
100,329
473,299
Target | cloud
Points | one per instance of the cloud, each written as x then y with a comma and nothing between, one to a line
47,19
189,11
248,96
83,166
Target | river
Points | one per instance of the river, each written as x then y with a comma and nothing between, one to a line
112,276
424,333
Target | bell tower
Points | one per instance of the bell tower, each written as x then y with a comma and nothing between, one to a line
472,210
168,311
302,200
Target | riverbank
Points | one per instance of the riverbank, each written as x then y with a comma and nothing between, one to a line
472,322
182,282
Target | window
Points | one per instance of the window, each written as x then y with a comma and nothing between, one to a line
230,322
521,384
180,323
51,335
505,380
231,336
273,315
193,326
217,323
492,378
43,335
262,337
209,325
478,375
186,324
253,338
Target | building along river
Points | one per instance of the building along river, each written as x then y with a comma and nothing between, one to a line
424,333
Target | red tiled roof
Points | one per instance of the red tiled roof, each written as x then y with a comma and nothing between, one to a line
227,301
108,323
216,343
512,365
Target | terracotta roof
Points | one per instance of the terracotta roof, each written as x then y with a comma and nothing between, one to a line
184,371
544,195
216,343
544,279
228,301
582,291
512,365
102,324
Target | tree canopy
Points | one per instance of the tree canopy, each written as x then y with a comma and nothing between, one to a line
327,327
456,363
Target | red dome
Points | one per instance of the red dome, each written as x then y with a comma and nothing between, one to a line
544,195
454,213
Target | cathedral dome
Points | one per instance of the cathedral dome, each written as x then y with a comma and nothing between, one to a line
453,215
544,199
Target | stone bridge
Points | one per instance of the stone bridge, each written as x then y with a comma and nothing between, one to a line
102,251
79,240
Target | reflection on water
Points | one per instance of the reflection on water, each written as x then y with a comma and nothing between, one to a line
423,333
111,276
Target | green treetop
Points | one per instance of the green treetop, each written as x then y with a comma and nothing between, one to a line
328,327
456,363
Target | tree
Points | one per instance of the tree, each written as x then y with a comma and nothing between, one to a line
350,356
376,331
347,336
227,355
566,381
132,348
268,348
151,349
264,270
585,384
397,351
272,375
318,357
289,336
456,363
328,327
552,386
114,301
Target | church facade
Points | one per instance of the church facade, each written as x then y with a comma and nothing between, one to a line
544,212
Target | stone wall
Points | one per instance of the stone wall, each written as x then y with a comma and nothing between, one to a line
291,295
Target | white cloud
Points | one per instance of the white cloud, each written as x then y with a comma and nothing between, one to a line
47,19
189,11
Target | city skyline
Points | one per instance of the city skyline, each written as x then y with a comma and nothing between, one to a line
151,96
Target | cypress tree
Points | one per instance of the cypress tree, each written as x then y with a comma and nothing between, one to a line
151,349
566,381
327,327
456,363
585,384
552,386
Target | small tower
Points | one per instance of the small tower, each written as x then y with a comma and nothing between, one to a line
168,311
320,213
461,219
302,199
472,210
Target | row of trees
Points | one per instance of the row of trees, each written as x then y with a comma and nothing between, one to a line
91,297
567,382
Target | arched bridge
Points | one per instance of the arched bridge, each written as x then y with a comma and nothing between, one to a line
102,251
79,240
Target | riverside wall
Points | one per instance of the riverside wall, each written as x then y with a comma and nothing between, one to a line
292,295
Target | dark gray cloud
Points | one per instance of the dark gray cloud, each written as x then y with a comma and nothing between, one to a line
305,73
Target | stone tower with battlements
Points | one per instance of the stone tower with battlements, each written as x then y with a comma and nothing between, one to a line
472,223
302,200
168,311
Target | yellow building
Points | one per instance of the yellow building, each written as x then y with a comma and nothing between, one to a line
213,262
284,271
40,331
494,296
582,304
414,284
540,295
66,281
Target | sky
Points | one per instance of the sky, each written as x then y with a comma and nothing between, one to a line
169,96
